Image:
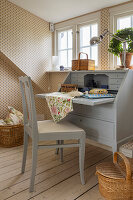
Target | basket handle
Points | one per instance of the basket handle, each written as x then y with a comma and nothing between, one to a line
127,164
79,57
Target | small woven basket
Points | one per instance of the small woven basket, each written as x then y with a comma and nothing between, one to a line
11,135
114,183
68,87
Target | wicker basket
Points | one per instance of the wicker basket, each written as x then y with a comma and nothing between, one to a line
11,135
68,87
116,180
83,64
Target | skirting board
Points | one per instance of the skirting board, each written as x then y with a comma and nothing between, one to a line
92,142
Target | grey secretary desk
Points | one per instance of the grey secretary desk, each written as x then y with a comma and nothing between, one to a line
106,121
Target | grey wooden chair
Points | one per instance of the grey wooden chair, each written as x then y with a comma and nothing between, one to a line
46,130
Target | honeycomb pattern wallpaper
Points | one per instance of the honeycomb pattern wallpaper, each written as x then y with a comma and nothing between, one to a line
25,40
10,91
105,23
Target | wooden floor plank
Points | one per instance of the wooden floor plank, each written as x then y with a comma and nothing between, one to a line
92,194
53,178
13,170
71,187
15,156
41,167
48,182
45,161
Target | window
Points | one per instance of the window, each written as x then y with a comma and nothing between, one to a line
86,32
75,39
65,48
124,22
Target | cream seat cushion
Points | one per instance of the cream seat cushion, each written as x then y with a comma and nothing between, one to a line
49,126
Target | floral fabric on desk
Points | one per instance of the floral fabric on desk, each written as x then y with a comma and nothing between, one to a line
60,105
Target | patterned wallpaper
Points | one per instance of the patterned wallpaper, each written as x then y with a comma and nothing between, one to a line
26,40
10,91
105,24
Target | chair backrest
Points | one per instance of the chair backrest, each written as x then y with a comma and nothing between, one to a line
29,111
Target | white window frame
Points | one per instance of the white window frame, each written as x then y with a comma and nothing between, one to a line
78,36
74,24
62,30
115,14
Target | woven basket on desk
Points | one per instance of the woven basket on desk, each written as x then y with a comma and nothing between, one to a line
83,64
68,87
116,180
11,135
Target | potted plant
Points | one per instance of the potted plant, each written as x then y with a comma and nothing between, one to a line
116,46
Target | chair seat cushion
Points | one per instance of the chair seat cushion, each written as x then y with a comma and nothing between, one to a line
49,128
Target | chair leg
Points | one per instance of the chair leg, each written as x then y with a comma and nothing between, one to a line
61,151
26,138
34,164
57,149
81,158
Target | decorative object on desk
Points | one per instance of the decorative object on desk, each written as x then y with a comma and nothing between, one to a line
75,93
121,40
128,60
55,62
98,91
116,47
98,96
127,149
83,64
61,68
68,87
116,179
104,86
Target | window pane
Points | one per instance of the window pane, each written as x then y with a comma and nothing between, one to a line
62,40
118,61
69,58
85,50
124,22
94,30
63,58
84,36
95,54
70,39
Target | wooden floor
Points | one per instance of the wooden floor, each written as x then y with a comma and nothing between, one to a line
54,180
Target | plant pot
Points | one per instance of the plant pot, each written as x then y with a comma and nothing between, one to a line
128,59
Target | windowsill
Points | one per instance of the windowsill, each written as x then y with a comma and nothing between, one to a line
58,71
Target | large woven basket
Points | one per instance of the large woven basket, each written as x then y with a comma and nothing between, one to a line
116,179
11,135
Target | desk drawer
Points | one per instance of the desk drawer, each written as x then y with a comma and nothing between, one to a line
114,87
95,129
117,75
102,112
114,81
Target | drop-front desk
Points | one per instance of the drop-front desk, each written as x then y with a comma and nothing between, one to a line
107,121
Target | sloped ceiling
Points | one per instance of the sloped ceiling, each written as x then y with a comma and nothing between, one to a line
59,10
